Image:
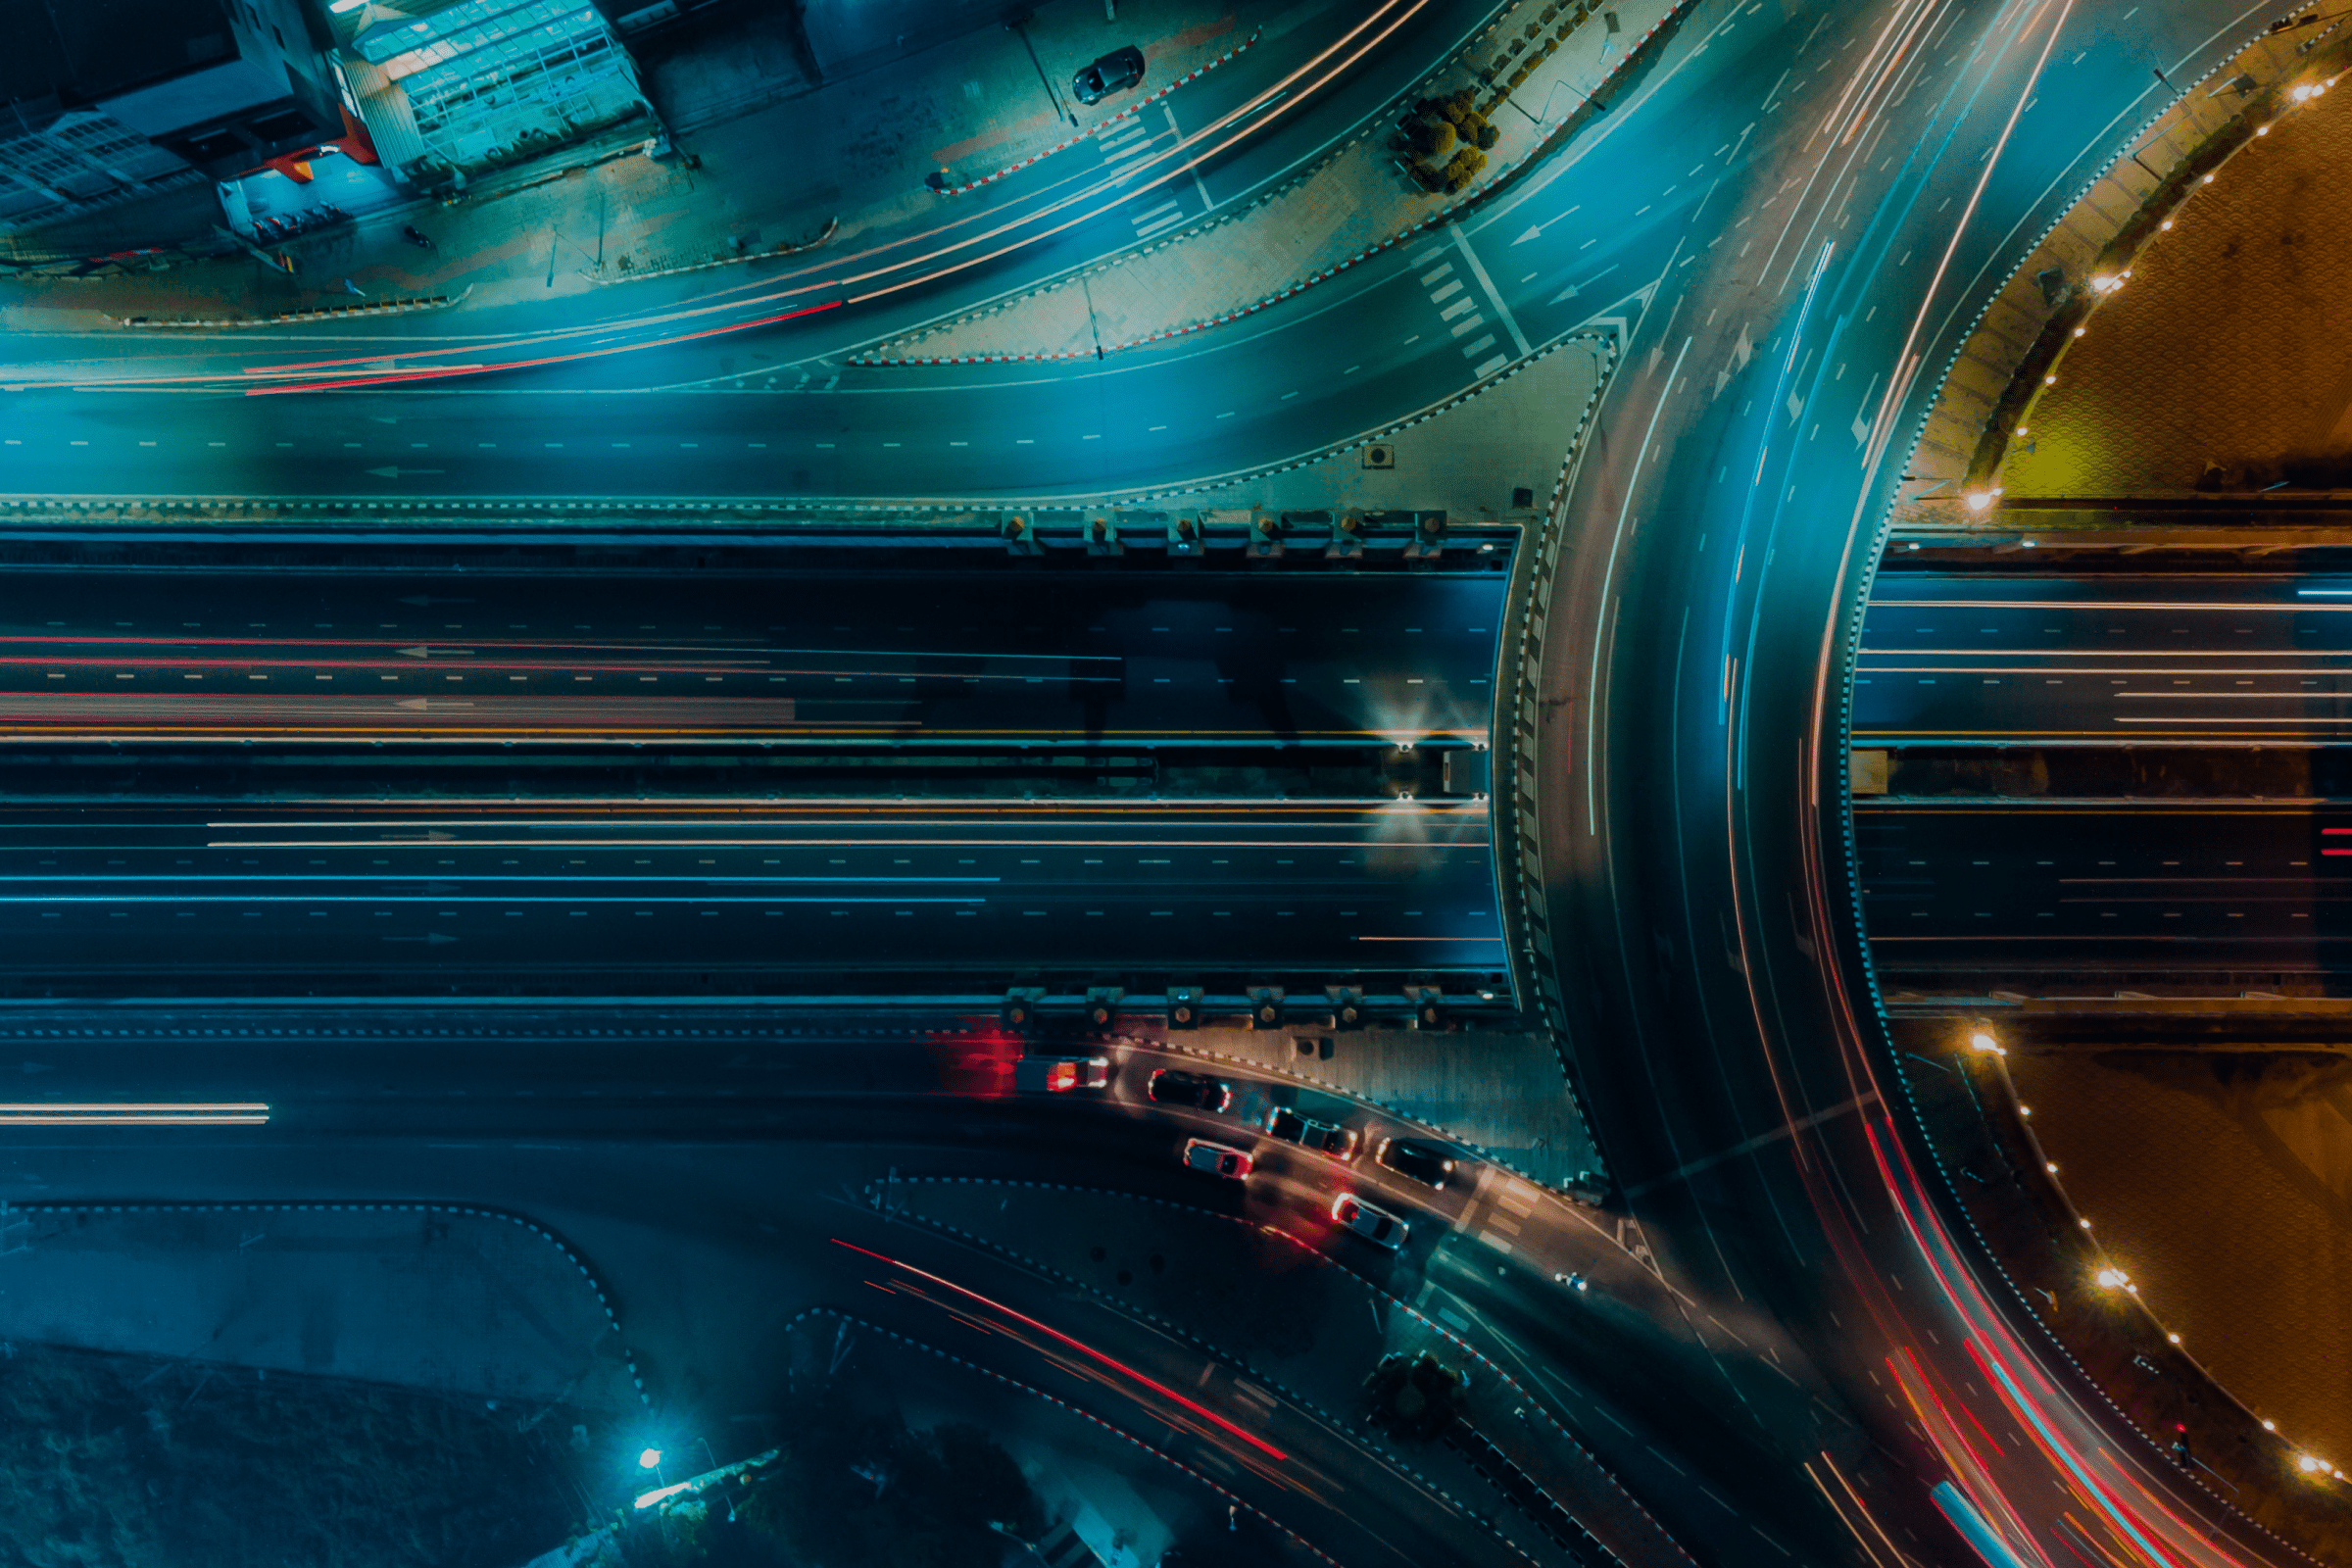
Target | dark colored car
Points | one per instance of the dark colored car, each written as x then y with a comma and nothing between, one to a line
1415,1161
1320,1136
1171,1086
1115,72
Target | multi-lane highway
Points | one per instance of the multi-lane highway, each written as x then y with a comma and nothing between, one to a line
1785,223
887,643
872,771
2108,776
2104,660
1695,841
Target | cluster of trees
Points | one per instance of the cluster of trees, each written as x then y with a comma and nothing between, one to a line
1448,139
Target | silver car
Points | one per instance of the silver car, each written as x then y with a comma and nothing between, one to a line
1372,1224
1215,1159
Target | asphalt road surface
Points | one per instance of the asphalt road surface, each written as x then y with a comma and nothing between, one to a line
2104,660
1729,511
233,823
2138,888
640,1137
326,896
881,643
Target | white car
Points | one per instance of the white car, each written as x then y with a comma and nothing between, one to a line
1372,1224
1215,1159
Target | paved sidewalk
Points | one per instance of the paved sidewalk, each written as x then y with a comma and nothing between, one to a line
470,1302
856,150
1358,201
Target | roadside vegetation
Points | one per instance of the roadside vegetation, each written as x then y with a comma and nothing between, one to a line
119,1461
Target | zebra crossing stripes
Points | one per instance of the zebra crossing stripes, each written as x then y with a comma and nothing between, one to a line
1127,152
1458,308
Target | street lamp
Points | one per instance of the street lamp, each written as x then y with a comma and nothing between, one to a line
650,1459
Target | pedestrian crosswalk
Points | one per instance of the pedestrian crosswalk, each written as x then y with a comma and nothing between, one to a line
1459,310
1128,151
1507,1203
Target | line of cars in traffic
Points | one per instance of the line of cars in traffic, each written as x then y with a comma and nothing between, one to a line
1415,1160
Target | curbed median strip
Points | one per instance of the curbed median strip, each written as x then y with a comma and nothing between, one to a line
323,313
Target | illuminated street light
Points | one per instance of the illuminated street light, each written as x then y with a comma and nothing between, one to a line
1980,501
650,1459
2309,1465
1986,1044
2113,1279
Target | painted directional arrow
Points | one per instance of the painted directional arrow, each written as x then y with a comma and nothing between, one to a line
1536,230
394,474
421,705
421,650
430,939
422,600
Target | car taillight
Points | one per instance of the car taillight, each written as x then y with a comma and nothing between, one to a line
1062,1076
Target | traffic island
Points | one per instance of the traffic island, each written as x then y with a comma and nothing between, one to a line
2166,337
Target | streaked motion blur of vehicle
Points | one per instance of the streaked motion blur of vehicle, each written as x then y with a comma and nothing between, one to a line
1057,1075
1215,1159
1323,1137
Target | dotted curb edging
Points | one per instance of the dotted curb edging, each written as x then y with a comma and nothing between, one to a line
1444,405
1500,180
599,280
1282,187
1918,1117
1170,1460
611,1317
321,312
1526,726
1399,1302
1099,127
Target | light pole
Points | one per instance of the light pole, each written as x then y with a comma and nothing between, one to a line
1020,25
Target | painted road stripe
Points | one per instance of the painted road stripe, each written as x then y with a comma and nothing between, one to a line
1478,270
